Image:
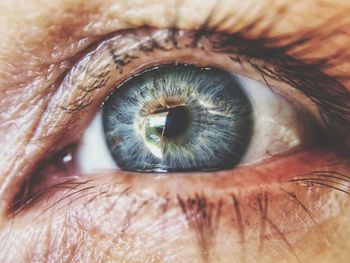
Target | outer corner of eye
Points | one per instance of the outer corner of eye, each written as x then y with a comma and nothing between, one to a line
92,153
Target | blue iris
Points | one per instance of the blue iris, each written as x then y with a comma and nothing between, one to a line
178,118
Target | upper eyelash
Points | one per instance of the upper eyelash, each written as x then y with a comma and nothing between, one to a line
331,97
329,94
279,50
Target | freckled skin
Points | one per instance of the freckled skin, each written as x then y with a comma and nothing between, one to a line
261,214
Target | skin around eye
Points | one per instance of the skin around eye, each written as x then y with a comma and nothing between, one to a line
203,212
294,209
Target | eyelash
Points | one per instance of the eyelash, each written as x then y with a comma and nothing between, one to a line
326,92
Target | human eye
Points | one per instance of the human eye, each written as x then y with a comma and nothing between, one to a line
175,118
202,143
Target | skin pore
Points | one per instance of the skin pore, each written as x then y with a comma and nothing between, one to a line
262,213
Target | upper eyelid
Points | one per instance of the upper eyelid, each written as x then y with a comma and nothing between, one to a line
277,54
274,47
264,48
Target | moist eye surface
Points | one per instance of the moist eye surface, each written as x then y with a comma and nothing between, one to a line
178,118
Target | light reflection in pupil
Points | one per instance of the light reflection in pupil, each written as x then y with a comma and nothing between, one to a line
176,122
162,125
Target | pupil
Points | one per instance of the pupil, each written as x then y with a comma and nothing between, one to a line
176,122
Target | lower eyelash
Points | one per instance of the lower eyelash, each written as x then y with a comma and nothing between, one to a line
203,214
203,219
332,179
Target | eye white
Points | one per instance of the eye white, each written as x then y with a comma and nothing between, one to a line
93,154
276,127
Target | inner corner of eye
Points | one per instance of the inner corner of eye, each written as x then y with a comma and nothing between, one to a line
180,117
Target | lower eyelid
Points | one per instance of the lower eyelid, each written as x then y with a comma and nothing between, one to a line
123,204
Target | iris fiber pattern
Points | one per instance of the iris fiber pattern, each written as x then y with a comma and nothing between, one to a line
178,118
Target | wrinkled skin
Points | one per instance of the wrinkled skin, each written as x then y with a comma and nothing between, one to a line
248,214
